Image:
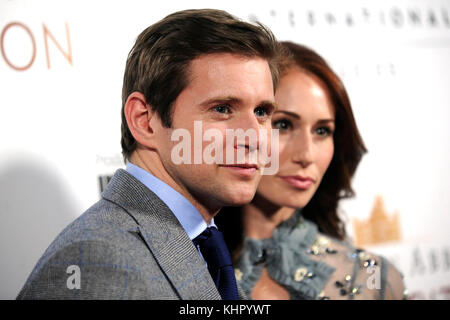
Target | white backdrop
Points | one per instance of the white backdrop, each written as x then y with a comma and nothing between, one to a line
61,69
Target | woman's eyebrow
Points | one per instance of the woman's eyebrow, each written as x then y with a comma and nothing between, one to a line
326,120
297,116
292,114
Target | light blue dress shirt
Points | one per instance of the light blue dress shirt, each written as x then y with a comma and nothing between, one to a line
188,216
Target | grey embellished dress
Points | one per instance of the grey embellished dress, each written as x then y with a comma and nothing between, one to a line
310,265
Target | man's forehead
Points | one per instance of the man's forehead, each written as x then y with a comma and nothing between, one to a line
216,64
211,69
223,78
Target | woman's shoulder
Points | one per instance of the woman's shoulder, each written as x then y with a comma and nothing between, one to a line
365,275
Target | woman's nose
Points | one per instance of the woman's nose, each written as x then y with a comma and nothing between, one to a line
303,150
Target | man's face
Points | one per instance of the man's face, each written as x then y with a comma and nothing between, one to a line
225,91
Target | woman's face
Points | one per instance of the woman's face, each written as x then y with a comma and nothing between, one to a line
305,118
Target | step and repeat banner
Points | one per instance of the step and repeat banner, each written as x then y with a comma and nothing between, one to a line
61,69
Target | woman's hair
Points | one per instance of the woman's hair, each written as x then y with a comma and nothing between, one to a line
348,151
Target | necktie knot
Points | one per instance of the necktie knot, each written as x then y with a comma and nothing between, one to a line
213,248
215,252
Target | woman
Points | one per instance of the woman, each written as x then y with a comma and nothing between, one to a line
290,243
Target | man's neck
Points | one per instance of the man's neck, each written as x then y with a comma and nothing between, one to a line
150,162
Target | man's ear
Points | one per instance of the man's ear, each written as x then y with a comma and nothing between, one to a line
138,114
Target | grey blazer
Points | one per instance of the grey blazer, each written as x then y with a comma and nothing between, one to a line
128,245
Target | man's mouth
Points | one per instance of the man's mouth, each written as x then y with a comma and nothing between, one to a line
245,169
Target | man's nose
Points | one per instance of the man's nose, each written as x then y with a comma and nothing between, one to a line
250,127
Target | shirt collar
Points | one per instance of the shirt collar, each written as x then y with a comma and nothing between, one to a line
190,219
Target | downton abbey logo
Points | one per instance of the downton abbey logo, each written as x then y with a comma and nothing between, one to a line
379,227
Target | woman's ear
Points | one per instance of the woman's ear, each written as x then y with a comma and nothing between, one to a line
138,114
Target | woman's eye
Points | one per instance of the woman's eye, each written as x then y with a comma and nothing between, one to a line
324,131
225,109
282,124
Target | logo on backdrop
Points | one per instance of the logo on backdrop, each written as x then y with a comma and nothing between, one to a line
393,16
380,227
103,181
15,36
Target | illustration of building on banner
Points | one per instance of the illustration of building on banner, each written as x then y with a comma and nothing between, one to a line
379,227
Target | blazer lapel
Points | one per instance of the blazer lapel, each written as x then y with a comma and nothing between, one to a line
164,236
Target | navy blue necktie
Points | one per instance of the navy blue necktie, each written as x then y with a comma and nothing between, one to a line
215,252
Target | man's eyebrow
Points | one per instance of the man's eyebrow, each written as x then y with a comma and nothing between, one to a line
224,99
236,100
269,104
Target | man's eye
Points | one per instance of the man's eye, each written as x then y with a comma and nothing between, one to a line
282,124
262,112
223,108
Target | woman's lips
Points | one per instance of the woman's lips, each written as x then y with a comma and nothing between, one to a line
298,182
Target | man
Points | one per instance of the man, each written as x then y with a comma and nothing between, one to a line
137,242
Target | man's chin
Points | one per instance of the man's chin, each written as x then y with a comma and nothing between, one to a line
239,199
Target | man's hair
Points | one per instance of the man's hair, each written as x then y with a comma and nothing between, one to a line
158,64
